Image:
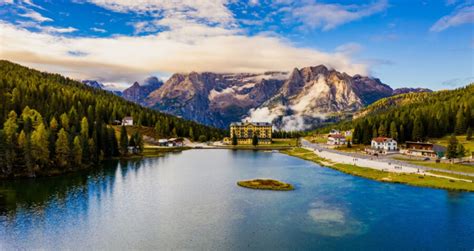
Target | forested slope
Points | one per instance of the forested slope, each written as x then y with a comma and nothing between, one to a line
52,123
414,116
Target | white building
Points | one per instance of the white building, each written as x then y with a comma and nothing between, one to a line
336,139
127,121
384,144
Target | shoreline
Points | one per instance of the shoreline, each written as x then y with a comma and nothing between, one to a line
428,181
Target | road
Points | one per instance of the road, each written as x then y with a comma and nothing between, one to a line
378,163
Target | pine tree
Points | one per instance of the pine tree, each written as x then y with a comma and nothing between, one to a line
451,151
9,129
62,148
158,129
24,152
85,128
255,140
77,150
460,151
113,142
461,124
39,144
139,142
382,131
417,133
123,140
401,135
393,130
356,135
191,133
64,121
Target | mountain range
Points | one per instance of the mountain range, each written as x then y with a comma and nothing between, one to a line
296,100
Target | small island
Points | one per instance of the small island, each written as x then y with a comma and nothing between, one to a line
266,184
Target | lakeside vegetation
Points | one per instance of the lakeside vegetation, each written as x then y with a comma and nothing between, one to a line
51,124
445,166
402,178
266,184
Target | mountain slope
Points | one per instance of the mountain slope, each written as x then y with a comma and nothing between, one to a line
214,99
414,116
312,93
298,100
137,93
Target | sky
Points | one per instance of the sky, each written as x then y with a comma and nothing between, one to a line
405,43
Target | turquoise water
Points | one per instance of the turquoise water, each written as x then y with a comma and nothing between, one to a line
190,200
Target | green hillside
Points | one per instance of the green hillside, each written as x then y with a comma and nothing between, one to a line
49,123
415,116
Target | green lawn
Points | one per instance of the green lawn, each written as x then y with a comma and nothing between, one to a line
444,166
468,144
410,179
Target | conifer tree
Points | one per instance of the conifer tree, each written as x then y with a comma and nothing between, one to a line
460,127
62,148
123,140
393,130
451,151
255,140
417,133
64,121
191,133
39,144
77,150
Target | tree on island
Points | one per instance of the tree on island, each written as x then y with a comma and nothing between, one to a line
255,140
234,141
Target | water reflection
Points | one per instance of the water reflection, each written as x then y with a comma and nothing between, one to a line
190,201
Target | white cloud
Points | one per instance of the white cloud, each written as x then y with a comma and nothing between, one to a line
35,16
98,30
349,48
464,15
212,11
51,29
329,16
193,47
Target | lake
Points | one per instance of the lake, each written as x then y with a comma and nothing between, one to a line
190,200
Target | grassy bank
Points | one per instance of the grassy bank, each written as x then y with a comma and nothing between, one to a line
444,166
266,184
402,178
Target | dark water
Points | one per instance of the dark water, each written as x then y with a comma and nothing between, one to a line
190,201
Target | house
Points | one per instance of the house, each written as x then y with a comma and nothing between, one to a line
175,142
163,142
336,139
383,145
127,121
424,149
245,131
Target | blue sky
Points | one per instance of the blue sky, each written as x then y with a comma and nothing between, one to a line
404,43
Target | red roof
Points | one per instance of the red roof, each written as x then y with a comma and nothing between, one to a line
337,136
381,139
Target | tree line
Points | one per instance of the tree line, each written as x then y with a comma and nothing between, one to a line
47,121
415,117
